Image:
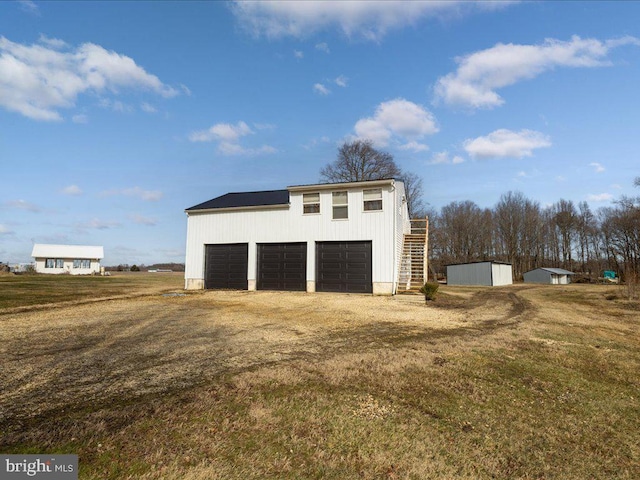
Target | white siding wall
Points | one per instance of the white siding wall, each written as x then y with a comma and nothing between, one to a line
290,225
68,267
402,226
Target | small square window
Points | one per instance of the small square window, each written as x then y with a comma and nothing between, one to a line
310,203
340,205
49,263
59,263
372,199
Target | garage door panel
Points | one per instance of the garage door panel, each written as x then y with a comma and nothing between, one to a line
282,266
344,267
226,266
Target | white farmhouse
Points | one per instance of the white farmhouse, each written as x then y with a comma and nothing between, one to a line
73,259
341,237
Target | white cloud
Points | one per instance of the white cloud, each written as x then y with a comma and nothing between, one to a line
80,118
29,6
369,20
222,132
38,80
141,220
598,168
600,197
323,47
72,190
316,141
228,137
147,195
4,230
298,54
479,75
399,118
443,158
321,89
414,146
341,81
54,43
506,144
97,224
264,126
23,205
147,107
115,105
232,149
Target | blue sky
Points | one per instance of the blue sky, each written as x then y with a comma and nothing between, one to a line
116,116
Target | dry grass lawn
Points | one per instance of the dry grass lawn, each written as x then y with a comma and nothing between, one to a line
515,382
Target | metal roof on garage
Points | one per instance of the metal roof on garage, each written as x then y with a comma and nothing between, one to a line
557,271
245,199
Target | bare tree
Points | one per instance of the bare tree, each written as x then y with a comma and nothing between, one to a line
413,192
358,161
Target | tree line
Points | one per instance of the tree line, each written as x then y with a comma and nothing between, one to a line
516,230
519,231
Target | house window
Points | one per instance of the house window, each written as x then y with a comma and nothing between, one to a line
83,263
372,199
340,205
54,263
310,203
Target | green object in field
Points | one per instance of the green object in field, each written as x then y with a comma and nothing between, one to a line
609,274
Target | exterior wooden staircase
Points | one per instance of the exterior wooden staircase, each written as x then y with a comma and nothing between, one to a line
413,263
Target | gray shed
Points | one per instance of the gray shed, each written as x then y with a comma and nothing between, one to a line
490,274
553,276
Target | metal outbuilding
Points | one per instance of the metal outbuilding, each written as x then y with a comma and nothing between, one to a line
489,273
552,276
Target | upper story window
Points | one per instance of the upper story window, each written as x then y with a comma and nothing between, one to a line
340,205
372,199
310,203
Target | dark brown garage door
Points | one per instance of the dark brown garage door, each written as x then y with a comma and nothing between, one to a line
226,266
343,267
282,266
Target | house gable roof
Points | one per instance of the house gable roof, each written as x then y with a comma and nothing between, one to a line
41,250
245,199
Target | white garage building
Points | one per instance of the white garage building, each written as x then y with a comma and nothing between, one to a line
552,276
340,237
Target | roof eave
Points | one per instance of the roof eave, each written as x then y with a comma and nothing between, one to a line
333,186
237,209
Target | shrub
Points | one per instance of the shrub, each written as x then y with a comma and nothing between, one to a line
429,290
